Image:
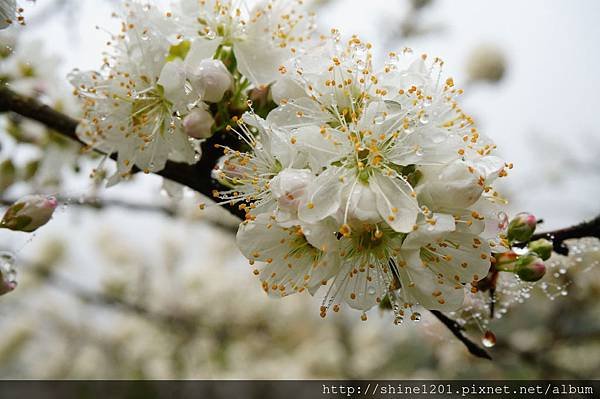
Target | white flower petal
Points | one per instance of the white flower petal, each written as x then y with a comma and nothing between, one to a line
297,113
395,202
201,49
463,257
419,283
323,197
361,286
8,11
427,232
259,60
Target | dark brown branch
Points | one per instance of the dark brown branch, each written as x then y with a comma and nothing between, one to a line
457,331
197,177
585,229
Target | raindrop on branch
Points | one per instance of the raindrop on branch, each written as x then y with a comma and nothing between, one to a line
489,339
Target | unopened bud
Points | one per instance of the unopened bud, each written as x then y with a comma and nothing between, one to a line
198,124
542,248
521,228
530,268
259,96
212,79
29,213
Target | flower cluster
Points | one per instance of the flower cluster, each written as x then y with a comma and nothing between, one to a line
368,178
173,76
372,181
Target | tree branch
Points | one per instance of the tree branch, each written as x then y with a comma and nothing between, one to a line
457,331
98,203
586,229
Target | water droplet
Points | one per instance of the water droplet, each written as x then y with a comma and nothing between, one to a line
439,137
416,316
371,290
424,119
489,339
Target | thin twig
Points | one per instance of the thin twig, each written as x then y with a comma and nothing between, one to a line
586,229
456,330
98,203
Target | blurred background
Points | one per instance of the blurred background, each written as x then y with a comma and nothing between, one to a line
136,282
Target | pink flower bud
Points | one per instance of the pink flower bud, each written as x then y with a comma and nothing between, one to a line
212,79
530,268
198,124
29,213
522,227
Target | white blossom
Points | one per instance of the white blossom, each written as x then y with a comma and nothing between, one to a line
385,161
136,104
261,38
